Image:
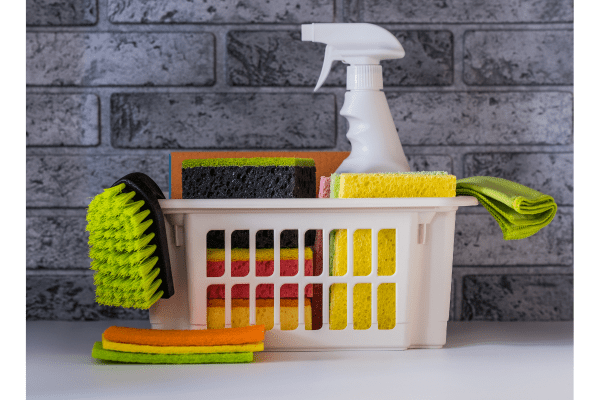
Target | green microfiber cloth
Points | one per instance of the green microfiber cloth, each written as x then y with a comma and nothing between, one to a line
146,358
519,210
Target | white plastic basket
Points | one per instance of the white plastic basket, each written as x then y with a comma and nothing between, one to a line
424,248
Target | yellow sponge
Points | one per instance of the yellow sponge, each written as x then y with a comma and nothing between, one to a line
386,265
405,184
374,185
139,348
240,314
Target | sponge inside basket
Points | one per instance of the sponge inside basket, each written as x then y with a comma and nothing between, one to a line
411,184
248,178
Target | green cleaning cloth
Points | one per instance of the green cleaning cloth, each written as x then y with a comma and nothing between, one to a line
146,358
520,211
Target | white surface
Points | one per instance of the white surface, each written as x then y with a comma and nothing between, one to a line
375,143
424,231
482,360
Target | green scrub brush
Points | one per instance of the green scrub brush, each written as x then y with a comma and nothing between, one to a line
128,244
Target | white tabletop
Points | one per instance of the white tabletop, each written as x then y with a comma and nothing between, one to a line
482,360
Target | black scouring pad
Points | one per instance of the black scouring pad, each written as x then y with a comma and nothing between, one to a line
248,178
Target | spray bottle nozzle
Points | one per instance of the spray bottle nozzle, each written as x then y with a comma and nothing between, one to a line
372,134
354,44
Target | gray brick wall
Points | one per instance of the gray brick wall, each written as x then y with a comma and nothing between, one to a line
486,88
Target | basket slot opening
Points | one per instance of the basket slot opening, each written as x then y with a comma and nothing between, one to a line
215,312
288,254
265,305
289,303
215,253
386,306
313,316
317,270
264,252
372,249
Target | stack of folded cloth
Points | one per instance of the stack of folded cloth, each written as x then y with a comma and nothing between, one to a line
519,210
156,346
240,266
252,178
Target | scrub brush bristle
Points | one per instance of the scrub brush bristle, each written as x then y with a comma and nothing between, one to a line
127,244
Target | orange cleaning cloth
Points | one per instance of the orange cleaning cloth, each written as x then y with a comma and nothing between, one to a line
205,337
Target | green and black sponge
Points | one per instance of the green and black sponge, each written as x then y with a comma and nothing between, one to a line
249,178
128,244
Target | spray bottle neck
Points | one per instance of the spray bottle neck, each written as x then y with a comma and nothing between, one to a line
364,77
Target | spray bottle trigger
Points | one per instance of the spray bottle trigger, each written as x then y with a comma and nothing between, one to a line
330,56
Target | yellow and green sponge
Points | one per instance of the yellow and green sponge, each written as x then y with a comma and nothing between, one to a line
374,185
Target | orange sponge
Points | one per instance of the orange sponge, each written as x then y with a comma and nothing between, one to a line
205,337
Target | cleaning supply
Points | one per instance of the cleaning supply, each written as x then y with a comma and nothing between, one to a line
256,177
324,188
317,300
520,211
372,134
139,348
264,262
128,245
326,162
373,185
240,266
246,178
150,346
405,184
147,358
205,337
240,316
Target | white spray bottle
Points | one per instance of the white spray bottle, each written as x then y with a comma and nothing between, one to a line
372,134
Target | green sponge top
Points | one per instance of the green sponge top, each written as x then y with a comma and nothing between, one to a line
249,162
335,179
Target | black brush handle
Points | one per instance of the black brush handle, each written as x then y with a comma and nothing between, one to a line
146,189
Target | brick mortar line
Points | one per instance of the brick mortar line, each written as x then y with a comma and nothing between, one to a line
105,26
542,269
457,57
456,152
103,22
220,60
67,272
105,128
106,150
52,212
226,88
338,11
